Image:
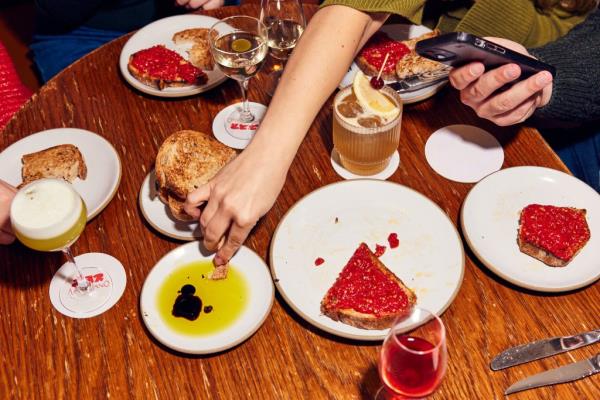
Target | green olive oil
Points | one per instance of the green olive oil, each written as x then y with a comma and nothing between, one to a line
223,301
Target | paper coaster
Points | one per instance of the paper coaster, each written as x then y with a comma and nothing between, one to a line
105,272
383,175
463,153
235,134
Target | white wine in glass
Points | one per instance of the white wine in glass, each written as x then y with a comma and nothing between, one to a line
49,215
285,23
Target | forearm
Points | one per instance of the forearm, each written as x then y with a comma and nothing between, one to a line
317,65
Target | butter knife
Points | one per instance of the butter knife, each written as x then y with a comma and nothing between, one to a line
567,373
543,348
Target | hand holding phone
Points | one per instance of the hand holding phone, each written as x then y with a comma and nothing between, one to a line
480,86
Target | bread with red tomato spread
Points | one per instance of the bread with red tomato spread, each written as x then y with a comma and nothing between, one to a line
554,235
366,294
160,68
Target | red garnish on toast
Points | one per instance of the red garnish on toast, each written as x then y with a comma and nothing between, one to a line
367,294
553,235
160,67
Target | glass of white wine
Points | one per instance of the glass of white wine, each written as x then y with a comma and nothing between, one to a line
285,23
49,215
239,47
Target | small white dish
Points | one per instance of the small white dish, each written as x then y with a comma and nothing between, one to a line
260,300
101,158
159,216
161,32
490,221
400,32
332,221
463,153
383,175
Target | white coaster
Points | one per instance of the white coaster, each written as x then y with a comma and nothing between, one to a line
234,134
383,175
463,153
105,272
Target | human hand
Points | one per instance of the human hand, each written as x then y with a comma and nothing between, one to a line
242,192
7,193
478,89
204,4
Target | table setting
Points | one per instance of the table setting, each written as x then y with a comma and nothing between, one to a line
139,311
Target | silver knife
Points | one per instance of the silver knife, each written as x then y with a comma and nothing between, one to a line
567,373
543,348
418,82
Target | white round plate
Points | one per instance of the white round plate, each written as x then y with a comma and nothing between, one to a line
159,216
161,32
332,221
463,153
90,261
101,158
400,32
490,220
260,299
383,175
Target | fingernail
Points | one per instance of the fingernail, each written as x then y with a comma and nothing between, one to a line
476,69
511,72
544,78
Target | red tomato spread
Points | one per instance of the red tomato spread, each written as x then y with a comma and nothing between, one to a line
160,62
561,231
319,261
393,240
379,250
378,46
364,287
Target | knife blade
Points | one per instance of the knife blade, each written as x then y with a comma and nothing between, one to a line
543,348
418,82
566,373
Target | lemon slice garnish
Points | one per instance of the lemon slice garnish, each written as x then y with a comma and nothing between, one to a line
372,99
241,45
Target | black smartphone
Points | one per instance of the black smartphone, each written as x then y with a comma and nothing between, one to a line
460,48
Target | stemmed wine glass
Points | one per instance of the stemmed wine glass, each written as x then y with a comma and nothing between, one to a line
49,215
239,47
412,363
285,23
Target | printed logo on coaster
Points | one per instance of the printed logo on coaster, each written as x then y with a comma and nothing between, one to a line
463,153
106,276
233,133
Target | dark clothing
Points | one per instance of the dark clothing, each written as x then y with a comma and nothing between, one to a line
576,98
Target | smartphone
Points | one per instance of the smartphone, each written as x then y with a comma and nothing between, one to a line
460,48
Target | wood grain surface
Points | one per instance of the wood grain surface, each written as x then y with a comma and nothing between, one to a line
44,355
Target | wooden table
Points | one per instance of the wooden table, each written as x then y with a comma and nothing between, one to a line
48,356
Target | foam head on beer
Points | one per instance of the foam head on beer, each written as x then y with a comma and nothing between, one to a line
47,214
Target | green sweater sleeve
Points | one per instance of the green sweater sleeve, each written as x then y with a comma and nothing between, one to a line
409,9
517,20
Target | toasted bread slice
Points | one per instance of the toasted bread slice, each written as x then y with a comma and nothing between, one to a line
160,68
412,43
371,57
413,64
185,161
367,294
201,57
63,161
553,235
189,36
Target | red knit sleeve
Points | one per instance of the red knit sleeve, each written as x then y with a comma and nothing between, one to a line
12,91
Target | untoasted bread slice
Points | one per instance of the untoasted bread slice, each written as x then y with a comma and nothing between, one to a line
185,161
553,235
367,294
63,161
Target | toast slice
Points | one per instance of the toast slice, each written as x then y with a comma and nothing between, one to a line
366,294
185,161
191,36
371,57
63,161
553,235
197,38
160,68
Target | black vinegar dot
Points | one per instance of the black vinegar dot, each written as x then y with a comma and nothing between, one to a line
208,309
186,304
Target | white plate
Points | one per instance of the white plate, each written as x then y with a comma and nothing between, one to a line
400,32
101,158
260,294
159,216
161,32
490,220
429,259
